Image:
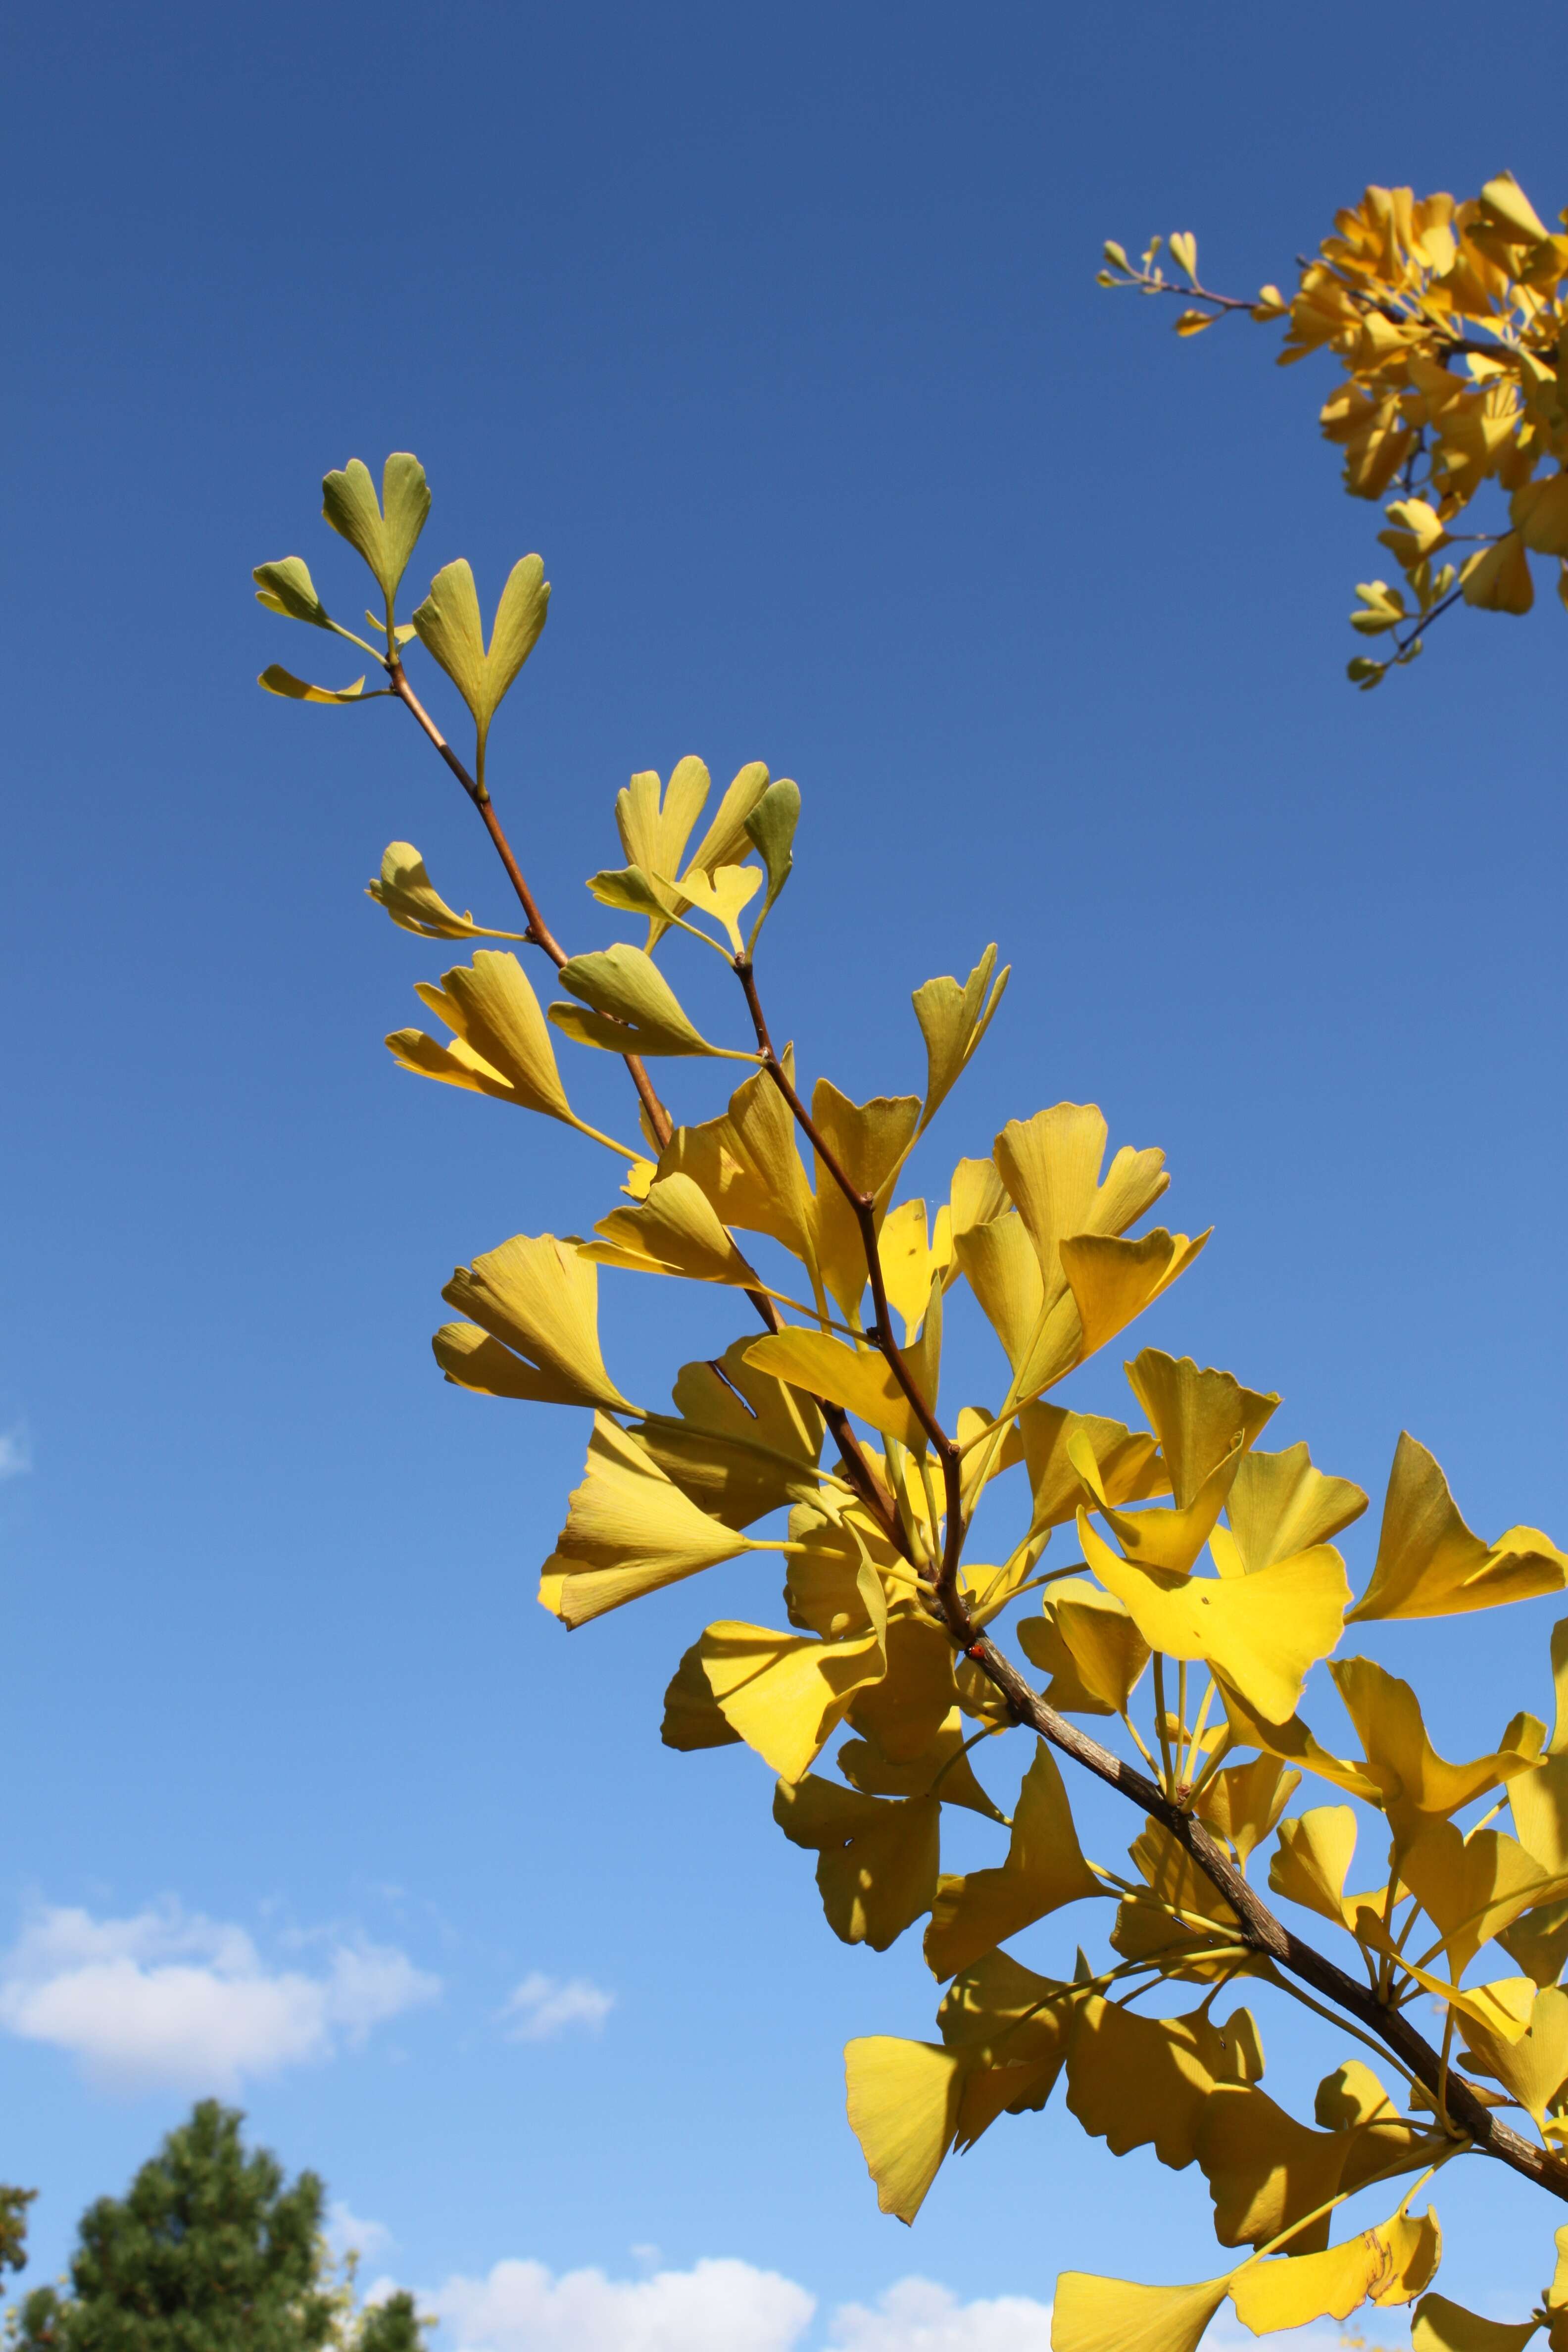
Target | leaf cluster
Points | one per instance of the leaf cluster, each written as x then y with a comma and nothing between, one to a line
1170,1653
1450,323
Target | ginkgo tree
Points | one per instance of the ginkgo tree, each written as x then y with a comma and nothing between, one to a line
1451,321
1168,1655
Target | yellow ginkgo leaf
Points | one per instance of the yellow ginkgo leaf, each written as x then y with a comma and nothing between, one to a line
726,840
411,900
1472,1887
1266,2171
905,1710
1430,1565
748,1164
720,895
500,1044
953,1022
1113,1281
629,1007
673,1231
1533,2069
1107,2314
870,1141
903,2109
909,1263
1199,1415
998,1258
538,1298
628,1531
858,1378
654,830
742,1445
1416,1784
1050,1165
1243,1804
1261,1632
1279,1505
1389,2264
1312,1860
1045,1869
1126,1463
1502,2008
1440,2325
878,1867
1205,1420
693,1717
942,1770
280,681
1136,2081
1294,1741
787,1693
1085,1640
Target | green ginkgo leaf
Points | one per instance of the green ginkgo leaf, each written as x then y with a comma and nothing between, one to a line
769,827
451,629
288,588
384,532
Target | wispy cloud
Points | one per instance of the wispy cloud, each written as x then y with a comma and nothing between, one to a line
347,2232
917,2316
716,2307
542,2006
169,1999
15,1451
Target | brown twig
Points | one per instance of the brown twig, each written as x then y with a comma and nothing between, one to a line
538,932
1259,1929
864,1206
871,1489
1269,1936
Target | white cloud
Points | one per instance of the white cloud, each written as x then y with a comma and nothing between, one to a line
168,1999
916,2316
542,2007
16,1452
731,2306
715,2306
347,2232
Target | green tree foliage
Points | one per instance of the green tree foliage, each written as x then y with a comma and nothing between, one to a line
1450,323
14,2204
209,2252
1169,1655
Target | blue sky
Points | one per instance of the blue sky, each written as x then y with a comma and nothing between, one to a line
778,336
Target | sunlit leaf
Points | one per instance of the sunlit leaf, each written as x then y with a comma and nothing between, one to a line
1430,1565
384,532
770,826
787,1693
859,1379
1106,2315
1416,1784
674,1231
903,2109
953,1022
411,900
630,1007
1439,2326
629,1530
1261,1632
288,588
540,1299
451,630
278,680
1085,1640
